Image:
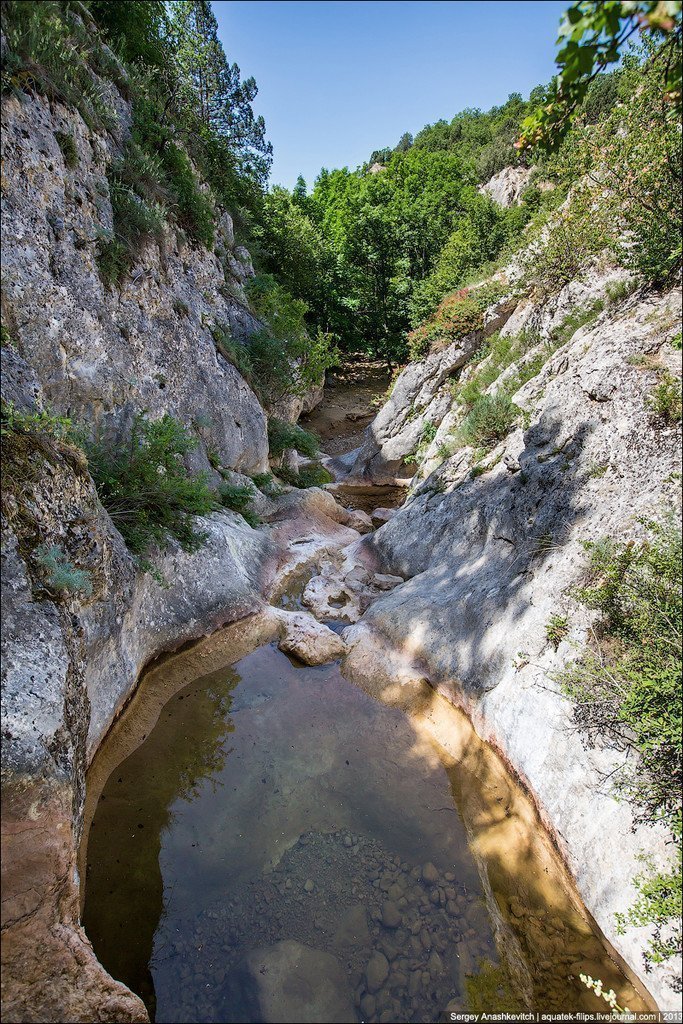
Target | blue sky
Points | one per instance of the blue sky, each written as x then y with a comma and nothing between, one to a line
339,78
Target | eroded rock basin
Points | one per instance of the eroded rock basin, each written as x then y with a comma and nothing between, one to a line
279,845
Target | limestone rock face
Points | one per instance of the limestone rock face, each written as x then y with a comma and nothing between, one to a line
103,354
418,396
507,185
489,559
296,982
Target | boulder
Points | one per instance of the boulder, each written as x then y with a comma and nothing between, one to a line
380,516
359,520
311,642
506,187
297,983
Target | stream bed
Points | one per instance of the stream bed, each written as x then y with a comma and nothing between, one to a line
281,846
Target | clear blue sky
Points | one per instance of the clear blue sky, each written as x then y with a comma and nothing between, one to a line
339,78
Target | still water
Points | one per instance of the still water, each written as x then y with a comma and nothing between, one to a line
281,846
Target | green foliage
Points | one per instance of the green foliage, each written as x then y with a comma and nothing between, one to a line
482,235
488,421
6,336
580,317
665,400
136,221
52,53
456,316
146,488
285,359
282,436
137,28
618,290
61,576
112,258
265,482
556,629
625,178
21,422
590,39
572,238
495,357
67,145
626,691
311,475
484,141
193,209
238,498
235,352
659,903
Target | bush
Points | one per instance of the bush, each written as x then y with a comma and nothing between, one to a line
282,436
236,353
112,258
266,484
61,576
665,400
572,239
193,208
135,221
312,475
556,629
146,488
457,315
285,359
68,147
488,421
626,691
238,498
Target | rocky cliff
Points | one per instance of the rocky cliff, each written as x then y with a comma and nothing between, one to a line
103,353
76,347
491,547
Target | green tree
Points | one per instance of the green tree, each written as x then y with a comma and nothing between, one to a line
591,37
221,100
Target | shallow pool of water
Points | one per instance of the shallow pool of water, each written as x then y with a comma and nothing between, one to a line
282,846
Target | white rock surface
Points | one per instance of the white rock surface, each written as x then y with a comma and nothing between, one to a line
489,560
506,187
310,641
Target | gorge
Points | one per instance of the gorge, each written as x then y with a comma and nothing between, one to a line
306,745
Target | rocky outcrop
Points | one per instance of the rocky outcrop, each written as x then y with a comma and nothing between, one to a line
489,558
103,353
506,187
71,657
420,398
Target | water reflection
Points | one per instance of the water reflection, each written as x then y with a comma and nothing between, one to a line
282,844
136,811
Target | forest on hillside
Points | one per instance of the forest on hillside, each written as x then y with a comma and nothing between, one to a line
367,254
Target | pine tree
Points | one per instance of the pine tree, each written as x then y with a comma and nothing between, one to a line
222,102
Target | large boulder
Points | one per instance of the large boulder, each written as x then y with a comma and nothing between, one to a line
506,187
